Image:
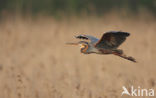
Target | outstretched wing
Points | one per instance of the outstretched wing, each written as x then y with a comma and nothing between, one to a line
112,39
88,37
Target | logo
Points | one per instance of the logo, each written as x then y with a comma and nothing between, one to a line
137,91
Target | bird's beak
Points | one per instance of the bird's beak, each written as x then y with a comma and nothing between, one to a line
72,43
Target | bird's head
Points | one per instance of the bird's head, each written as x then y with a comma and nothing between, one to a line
82,44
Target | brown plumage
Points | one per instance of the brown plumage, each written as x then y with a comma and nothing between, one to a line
108,44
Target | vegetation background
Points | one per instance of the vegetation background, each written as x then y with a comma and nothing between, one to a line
35,62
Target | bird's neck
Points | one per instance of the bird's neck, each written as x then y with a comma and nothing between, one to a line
84,50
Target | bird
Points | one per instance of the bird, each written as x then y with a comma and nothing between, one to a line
108,44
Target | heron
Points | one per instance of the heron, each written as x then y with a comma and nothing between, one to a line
108,44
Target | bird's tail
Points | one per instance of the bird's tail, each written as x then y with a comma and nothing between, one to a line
121,54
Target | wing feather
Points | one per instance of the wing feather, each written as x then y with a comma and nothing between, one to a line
112,39
88,37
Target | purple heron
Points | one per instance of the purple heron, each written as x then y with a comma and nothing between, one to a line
108,44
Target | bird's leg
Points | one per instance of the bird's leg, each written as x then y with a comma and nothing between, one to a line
121,54
118,51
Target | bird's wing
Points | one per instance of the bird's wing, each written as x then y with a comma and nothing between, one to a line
112,39
88,37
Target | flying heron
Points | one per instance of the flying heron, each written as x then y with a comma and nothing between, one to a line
108,44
